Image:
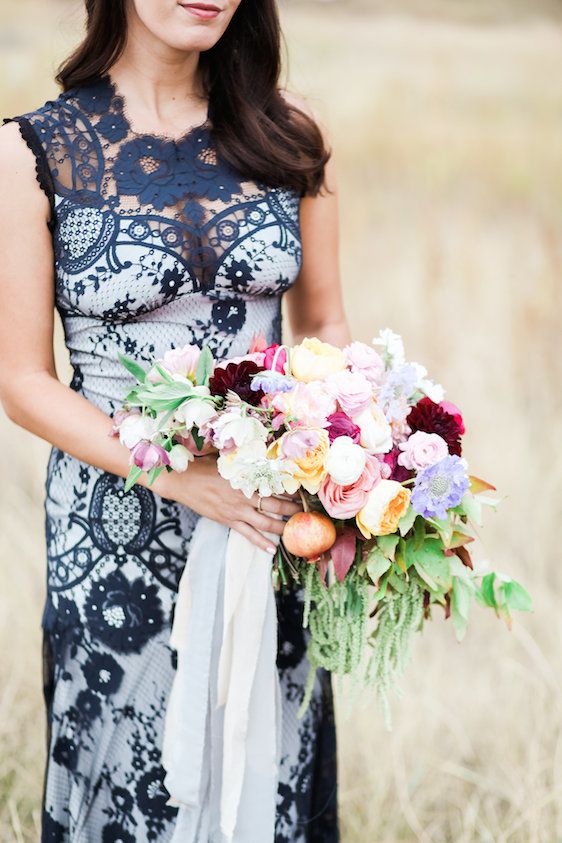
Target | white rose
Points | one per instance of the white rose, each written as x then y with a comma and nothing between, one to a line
180,458
135,428
376,432
345,461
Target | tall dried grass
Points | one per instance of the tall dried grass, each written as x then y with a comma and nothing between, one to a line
447,139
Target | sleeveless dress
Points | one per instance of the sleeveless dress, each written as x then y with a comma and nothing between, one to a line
157,243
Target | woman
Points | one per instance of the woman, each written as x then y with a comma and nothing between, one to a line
171,194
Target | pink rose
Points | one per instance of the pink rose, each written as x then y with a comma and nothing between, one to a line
347,501
147,455
342,425
454,411
271,354
421,450
364,359
352,391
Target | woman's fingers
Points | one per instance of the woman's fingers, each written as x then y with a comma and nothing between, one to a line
254,536
276,506
264,523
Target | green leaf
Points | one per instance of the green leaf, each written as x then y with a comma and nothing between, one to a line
204,367
419,532
197,438
462,595
460,606
135,370
473,508
383,585
432,560
388,544
163,373
154,473
516,597
444,527
407,521
165,392
377,564
487,590
425,577
132,477
398,583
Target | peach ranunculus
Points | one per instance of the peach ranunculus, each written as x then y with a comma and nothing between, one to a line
346,501
308,470
314,360
386,504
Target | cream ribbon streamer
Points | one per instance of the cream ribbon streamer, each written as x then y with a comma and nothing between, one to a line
222,730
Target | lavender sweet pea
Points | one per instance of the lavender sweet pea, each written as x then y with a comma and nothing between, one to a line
440,487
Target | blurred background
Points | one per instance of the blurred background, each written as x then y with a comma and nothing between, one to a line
445,118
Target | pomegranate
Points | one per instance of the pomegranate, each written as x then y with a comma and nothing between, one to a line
309,534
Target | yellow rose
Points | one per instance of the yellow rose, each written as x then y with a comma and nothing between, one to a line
386,504
308,470
314,360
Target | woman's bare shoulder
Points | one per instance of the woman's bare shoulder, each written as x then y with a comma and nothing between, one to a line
13,147
18,170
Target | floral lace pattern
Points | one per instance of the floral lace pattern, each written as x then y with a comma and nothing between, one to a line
157,243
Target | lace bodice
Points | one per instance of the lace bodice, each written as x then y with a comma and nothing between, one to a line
157,242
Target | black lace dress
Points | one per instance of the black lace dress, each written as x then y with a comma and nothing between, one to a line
157,244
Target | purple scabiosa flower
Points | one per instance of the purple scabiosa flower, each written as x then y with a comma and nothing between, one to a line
440,487
271,382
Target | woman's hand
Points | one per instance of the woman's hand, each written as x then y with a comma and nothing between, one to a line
202,489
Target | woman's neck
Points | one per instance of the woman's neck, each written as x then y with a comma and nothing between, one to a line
162,85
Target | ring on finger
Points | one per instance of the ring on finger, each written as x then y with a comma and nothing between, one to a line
259,504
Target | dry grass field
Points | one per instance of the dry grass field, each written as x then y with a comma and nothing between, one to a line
447,131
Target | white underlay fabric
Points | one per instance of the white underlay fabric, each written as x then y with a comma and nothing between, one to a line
222,734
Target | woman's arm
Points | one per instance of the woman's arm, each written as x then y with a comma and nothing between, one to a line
315,303
30,391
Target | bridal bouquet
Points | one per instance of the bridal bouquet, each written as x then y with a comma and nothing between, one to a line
375,452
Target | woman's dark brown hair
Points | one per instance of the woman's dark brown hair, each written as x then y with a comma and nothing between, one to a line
253,126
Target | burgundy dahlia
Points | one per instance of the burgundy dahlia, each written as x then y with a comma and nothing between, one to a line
237,377
432,418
